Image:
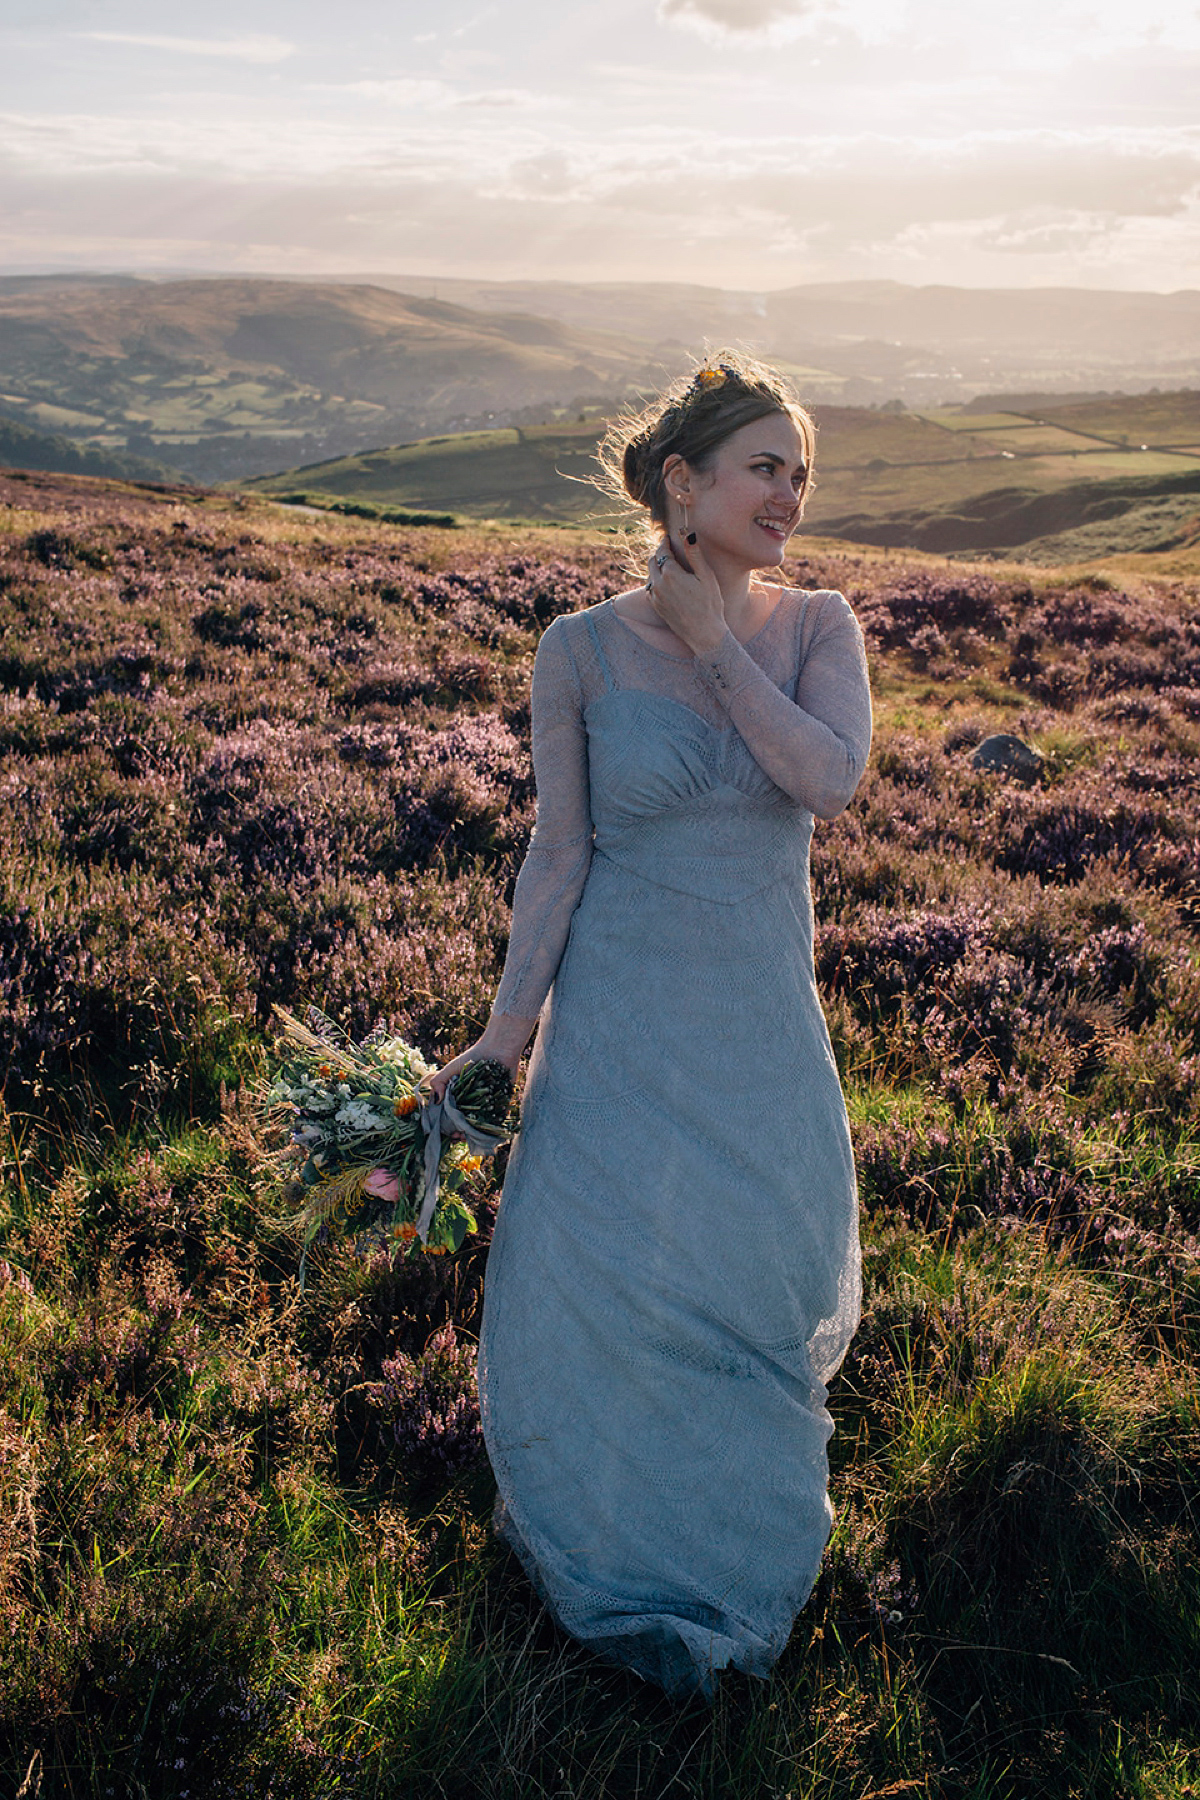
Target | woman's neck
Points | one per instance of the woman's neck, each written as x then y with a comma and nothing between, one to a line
745,600
741,594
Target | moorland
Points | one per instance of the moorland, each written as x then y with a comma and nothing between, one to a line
256,756
223,378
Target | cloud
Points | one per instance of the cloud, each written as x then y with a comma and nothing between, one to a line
456,191
415,91
724,19
430,94
780,21
1028,35
1039,232
556,222
732,15
257,49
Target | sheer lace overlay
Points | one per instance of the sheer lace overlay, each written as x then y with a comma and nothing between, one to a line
674,1274
796,694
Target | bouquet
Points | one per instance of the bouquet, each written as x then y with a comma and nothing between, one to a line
375,1155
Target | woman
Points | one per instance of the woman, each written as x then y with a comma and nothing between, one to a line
674,1275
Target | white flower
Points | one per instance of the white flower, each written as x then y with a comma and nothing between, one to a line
359,1115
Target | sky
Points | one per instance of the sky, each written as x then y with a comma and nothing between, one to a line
748,144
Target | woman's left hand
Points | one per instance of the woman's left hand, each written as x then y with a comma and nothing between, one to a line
686,599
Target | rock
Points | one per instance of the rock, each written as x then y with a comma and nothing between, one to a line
1008,755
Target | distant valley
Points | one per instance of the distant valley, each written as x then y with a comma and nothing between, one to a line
863,342
950,419
220,379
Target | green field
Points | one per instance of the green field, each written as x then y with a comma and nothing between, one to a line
520,472
1157,419
896,476
230,377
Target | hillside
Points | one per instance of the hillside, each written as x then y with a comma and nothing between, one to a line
1114,472
256,757
224,378
21,447
516,473
1070,524
1158,419
953,480
867,340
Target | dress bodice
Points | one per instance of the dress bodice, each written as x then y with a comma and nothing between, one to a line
684,804
699,774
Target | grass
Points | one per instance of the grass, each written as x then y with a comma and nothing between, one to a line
255,755
975,480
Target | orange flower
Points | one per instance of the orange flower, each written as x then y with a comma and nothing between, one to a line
471,1162
405,1232
406,1106
435,1250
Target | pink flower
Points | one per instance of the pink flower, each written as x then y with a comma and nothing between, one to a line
383,1186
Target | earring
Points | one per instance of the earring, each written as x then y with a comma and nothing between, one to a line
689,537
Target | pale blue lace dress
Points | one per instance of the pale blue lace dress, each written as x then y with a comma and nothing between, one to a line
675,1273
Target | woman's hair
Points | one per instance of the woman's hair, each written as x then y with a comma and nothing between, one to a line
691,419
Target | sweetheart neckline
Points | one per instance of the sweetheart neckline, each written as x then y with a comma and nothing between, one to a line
667,700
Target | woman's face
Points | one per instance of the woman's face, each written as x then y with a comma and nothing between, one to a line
745,505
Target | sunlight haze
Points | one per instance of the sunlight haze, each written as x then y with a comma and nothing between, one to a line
741,143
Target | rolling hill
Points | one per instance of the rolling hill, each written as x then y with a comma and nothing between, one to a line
223,378
864,341
1125,473
21,447
519,472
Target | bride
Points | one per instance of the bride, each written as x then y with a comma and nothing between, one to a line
674,1275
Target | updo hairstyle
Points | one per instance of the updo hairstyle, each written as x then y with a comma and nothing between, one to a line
693,417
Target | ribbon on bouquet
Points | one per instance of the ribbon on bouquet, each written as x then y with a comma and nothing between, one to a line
443,1116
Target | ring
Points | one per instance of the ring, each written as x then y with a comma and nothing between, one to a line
661,561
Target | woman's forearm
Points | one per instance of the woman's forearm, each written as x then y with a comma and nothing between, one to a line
505,1036
815,747
547,892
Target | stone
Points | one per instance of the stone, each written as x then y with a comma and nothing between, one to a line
1008,755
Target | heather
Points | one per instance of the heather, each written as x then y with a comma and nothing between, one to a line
253,759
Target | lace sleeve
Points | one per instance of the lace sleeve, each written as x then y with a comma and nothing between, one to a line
560,850
814,748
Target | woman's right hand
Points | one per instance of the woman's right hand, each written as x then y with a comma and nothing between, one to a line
503,1041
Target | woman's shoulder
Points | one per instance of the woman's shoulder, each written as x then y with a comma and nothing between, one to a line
569,648
814,599
572,627
561,635
816,609
820,619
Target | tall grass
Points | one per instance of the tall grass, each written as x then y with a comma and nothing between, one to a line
246,1547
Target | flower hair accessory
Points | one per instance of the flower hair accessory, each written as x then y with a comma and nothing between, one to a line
708,378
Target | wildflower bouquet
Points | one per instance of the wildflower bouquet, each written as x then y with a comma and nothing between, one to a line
373,1157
